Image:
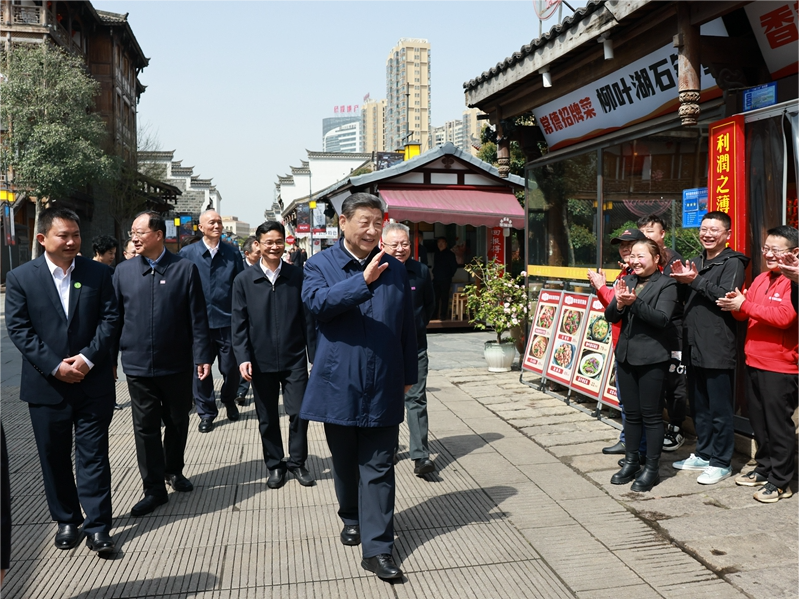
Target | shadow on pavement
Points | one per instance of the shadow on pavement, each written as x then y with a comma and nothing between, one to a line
190,583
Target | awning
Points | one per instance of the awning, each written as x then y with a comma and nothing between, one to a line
459,206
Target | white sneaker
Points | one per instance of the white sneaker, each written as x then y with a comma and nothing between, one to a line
672,439
692,463
713,475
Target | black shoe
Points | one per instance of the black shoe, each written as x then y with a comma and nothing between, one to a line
351,535
276,478
617,448
649,477
423,466
303,476
68,536
628,471
179,483
205,426
232,411
383,566
241,400
100,542
147,505
642,460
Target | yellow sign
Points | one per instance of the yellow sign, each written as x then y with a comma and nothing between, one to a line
580,273
312,204
6,196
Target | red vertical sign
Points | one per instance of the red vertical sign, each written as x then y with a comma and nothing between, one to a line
726,178
496,245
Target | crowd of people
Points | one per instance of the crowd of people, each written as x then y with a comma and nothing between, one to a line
675,330
342,335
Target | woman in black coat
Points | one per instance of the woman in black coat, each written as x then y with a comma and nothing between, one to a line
644,302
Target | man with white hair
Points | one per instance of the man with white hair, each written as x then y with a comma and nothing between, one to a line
218,264
397,243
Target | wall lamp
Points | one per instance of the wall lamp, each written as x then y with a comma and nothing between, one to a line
547,78
607,46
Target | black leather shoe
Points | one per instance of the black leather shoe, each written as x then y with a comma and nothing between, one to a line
351,535
303,476
205,426
232,411
649,477
68,536
241,400
642,460
100,542
147,505
423,466
179,483
276,478
629,470
617,448
383,566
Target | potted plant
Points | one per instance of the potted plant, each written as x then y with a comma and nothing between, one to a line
497,300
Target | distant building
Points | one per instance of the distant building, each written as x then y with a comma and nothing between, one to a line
341,134
373,126
235,228
408,95
198,194
451,131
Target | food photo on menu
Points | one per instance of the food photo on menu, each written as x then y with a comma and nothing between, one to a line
546,316
591,364
570,323
598,329
563,355
539,346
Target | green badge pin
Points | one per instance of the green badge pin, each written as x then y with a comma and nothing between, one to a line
77,285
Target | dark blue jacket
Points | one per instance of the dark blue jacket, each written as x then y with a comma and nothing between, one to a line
44,335
164,322
424,300
366,341
217,277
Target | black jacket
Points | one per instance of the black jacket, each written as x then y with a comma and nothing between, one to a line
164,321
45,336
708,332
444,266
270,326
644,337
424,301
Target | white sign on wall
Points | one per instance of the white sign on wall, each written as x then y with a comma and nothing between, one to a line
642,90
777,34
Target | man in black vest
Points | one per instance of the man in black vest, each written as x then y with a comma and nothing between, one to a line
274,337
61,313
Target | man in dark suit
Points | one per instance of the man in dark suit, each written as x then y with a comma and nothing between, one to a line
274,337
218,263
62,315
164,340
397,243
252,257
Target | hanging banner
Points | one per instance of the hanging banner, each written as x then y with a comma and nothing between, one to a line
571,322
543,325
596,351
496,245
303,219
726,178
643,90
775,28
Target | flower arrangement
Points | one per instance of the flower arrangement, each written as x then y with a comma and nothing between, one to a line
497,299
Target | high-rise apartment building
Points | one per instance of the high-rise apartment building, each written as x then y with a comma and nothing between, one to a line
451,131
373,126
341,134
408,95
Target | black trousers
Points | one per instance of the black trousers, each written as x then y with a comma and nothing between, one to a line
53,426
676,394
363,475
641,386
772,399
441,291
204,398
154,400
266,392
711,394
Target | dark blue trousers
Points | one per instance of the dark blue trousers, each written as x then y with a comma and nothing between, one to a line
711,394
53,426
363,474
266,393
204,398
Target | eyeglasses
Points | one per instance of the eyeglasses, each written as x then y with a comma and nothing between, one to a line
775,251
398,245
270,243
138,234
711,230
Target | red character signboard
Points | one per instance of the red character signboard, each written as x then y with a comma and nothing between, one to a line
726,180
496,245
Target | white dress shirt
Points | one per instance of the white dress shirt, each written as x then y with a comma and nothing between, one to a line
213,250
62,280
271,275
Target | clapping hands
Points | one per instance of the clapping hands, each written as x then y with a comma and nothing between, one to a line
789,266
624,296
683,272
597,279
732,300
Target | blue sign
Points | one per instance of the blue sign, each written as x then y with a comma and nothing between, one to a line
694,206
760,96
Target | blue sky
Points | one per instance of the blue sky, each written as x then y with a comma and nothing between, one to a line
239,89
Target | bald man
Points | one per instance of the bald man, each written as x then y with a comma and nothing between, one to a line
218,264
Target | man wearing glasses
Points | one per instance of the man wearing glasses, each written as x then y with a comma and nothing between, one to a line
218,264
709,346
274,338
164,342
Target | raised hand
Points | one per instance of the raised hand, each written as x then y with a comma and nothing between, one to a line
789,266
683,272
597,279
374,269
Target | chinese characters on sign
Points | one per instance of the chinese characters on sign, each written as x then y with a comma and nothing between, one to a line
496,245
571,322
595,354
538,346
726,180
694,206
344,109
775,27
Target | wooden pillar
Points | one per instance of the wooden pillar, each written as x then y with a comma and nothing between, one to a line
503,150
689,69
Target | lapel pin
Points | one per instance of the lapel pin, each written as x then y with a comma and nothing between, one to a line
77,285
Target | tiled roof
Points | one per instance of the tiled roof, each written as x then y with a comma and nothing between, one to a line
112,17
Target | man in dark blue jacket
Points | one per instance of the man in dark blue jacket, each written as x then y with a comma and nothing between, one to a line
218,264
397,243
365,362
164,342
62,315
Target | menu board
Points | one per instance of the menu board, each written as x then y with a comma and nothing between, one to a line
596,350
562,359
609,395
543,325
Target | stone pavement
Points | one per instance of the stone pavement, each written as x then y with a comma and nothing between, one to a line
520,506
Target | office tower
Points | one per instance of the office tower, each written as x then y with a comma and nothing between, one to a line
408,94
341,134
373,126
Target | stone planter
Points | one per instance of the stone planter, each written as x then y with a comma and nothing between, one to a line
499,356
